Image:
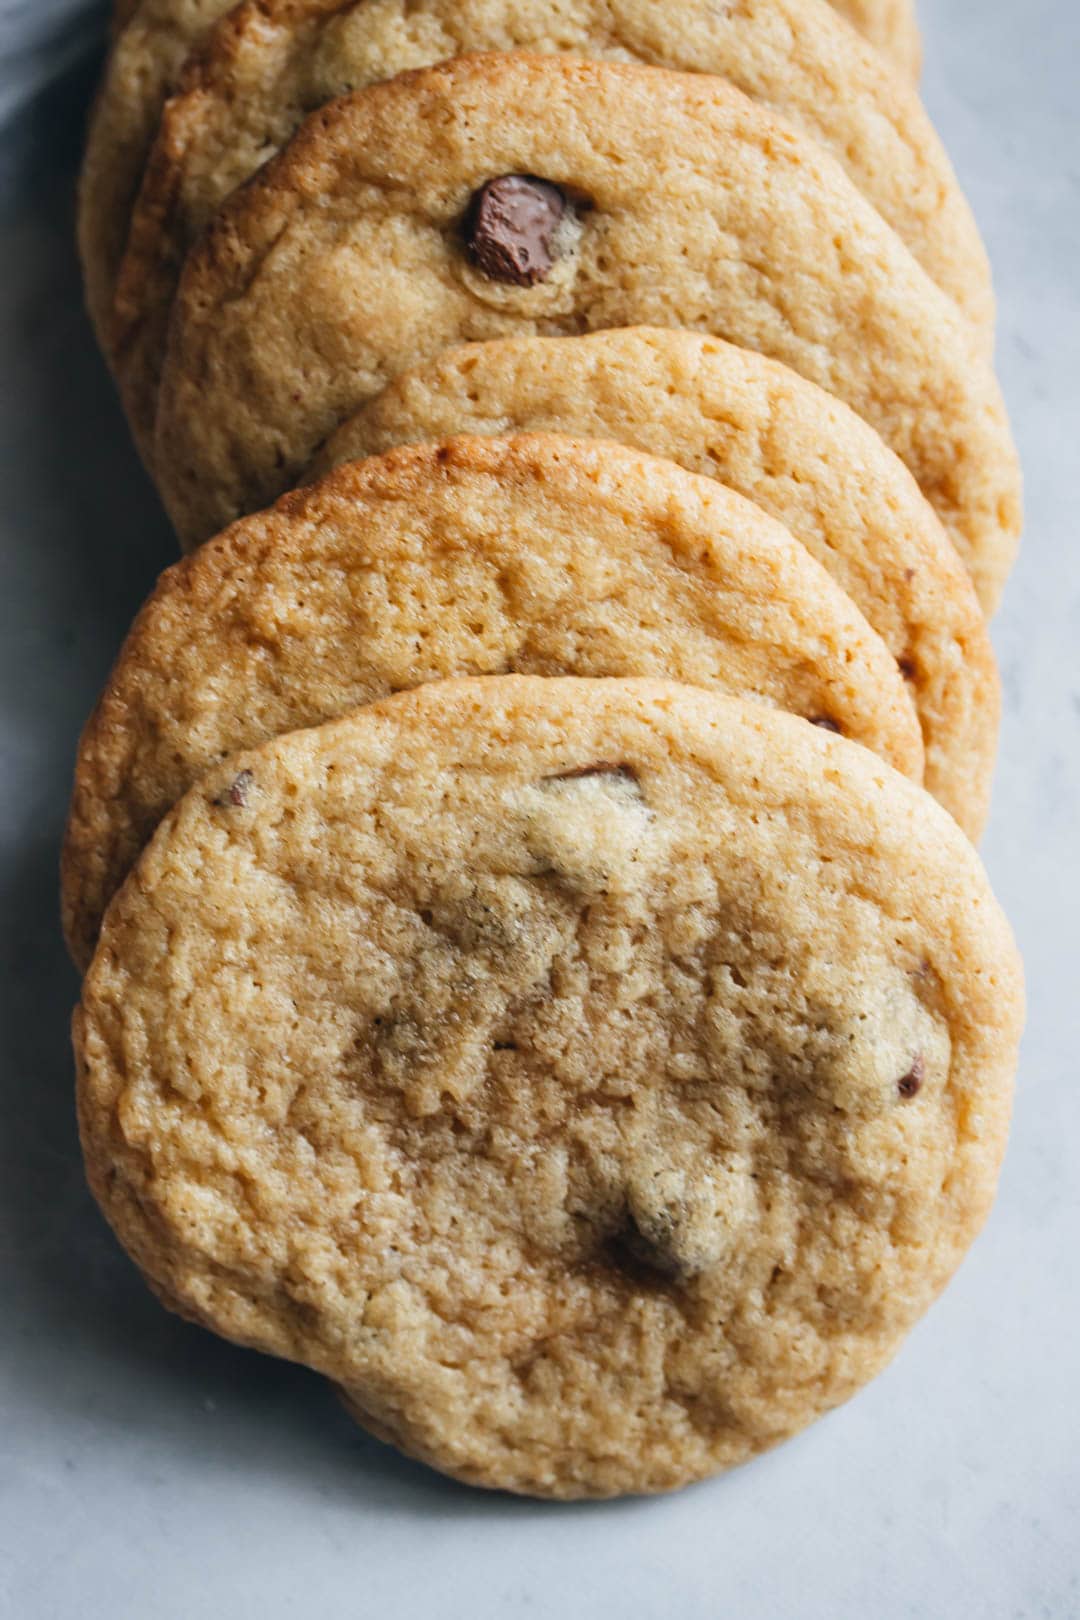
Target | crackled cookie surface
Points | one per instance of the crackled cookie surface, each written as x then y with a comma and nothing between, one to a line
271,63
539,555
509,195
786,445
596,1079
888,24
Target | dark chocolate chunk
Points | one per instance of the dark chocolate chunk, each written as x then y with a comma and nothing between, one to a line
236,794
510,228
662,1232
626,772
910,1084
653,1251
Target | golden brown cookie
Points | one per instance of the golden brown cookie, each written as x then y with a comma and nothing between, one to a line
596,1079
152,41
403,218
793,449
891,26
539,555
271,62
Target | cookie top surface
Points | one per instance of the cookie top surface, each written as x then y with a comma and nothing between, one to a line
538,555
891,26
888,25
271,62
595,1079
365,247
761,429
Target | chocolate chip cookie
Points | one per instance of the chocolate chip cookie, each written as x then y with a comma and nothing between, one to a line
365,248
796,451
271,62
479,556
595,1079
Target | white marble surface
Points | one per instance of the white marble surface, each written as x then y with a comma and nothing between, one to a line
148,1471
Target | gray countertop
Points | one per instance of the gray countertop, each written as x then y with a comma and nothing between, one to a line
148,1470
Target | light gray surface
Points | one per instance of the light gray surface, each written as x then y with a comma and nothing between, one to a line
149,1471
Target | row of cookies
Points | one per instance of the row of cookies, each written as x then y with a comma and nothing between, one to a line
270,354
494,999
715,198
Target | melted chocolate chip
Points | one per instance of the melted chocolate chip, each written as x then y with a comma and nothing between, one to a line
649,1255
910,1084
825,724
627,773
510,228
236,794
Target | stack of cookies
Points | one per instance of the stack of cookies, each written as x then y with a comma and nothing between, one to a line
537,968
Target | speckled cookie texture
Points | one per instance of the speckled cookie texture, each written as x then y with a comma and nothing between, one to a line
271,62
533,554
354,255
796,451
595,1079
889,24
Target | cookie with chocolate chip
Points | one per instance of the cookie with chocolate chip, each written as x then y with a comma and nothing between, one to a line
533,1058
354,255
270,63
478,556
758,427
167,47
